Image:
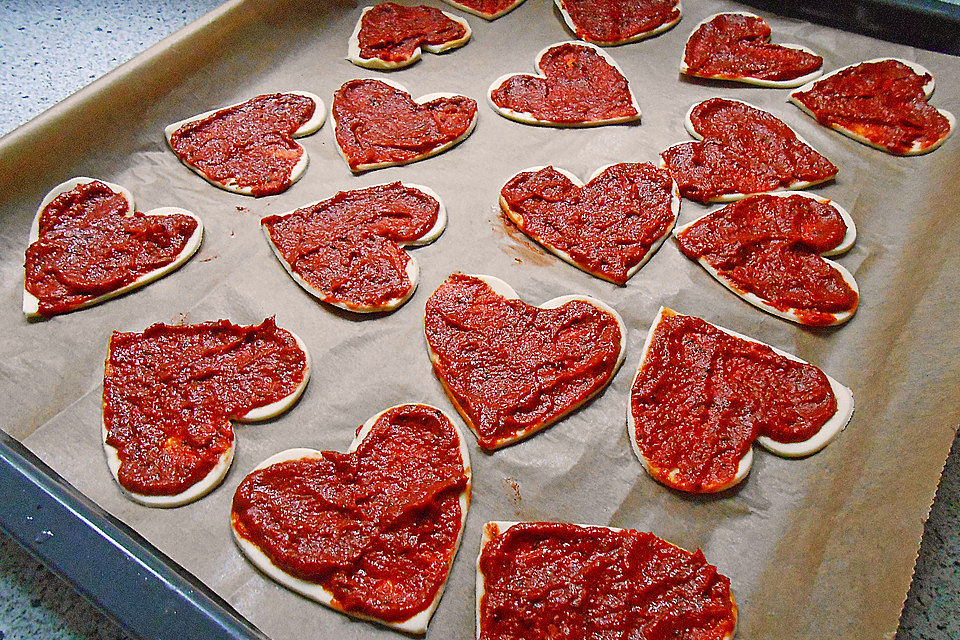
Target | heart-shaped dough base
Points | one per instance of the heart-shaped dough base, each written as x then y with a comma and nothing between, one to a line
486,9
391,17
624,23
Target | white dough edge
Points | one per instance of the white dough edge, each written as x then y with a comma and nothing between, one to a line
505,290
757,82
524,117
413,268
216,475
31,304
417,624
517,219
615,43
502,526
354,56
423,156
310,126
928,88
808,447
480,14
791,314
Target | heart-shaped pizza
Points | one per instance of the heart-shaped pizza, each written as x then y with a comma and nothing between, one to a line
88,243
614,22
768,249
703,394
371,532
486,9
348,250
579,85
171,392
512,369
249,148
377,124
392,36
609,227
881,103
741,150
736,46
540,580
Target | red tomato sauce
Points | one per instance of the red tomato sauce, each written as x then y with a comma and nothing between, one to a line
170,392
607,226
377,527
92,243
883,102
770,246
579,86
511,366
393,32
547,580
249,145
703,396
614,21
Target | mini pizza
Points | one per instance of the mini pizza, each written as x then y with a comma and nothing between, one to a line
736,46
372,532
486,9
703,394
614,22
377,124
348,250
249,148
545,580
392,36
88,243
608,227
881,103
171,392
741,150
579,85
512,369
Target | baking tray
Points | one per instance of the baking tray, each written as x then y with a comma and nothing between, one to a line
800,539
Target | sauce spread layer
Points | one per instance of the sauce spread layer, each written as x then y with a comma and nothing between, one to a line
510,367
393,32
770,246
614,21
883,102
703,396
744,150
578,85
487,8
377,528
170,392
606,226
377,123
91,243
346,247
249,145
547,580
735,46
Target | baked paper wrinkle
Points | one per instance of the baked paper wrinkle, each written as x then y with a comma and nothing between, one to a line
797,531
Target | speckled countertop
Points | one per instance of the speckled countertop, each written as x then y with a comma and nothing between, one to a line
47,52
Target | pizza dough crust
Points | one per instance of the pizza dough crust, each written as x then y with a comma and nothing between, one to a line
353,47
480,14
640,36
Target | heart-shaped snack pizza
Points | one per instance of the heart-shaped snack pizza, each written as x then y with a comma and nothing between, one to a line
371,532
542,580
391,35
736,46
703,394
348,250
378,124
608,227
512,369
486,9
88,243
579,85
768,250
249,148
741,150
171,392
614,22
881,103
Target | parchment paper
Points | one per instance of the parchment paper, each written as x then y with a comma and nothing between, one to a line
820,547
